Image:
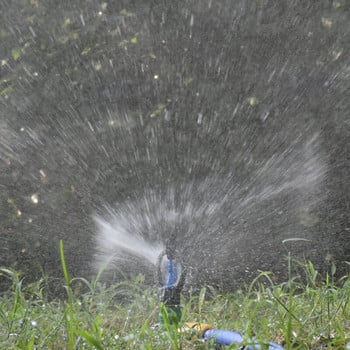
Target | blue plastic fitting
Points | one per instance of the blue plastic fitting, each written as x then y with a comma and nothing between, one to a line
172,274
171,291
225,337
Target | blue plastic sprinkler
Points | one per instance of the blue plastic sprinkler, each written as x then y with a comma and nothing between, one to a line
171,275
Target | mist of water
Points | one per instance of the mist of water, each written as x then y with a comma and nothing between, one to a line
224,122
222,224
120,237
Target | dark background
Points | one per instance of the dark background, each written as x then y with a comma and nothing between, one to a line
103,103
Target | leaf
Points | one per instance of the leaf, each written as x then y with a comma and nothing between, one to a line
67,22
327,22
6,90
16,53
90,339
126,13
158,110
308,219
86,51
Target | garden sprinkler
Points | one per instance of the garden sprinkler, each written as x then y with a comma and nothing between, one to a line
171,276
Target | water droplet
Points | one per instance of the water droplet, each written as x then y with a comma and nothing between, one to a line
191,20
98,66
253,101
82,20
35,198
32,31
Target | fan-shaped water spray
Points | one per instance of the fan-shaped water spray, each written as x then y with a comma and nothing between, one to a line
218,220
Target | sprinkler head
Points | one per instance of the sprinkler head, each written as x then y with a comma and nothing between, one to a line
171,277
170,252
170,272
170,247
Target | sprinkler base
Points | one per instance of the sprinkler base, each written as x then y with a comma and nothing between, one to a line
170,314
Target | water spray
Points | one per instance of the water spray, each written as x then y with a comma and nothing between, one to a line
171,276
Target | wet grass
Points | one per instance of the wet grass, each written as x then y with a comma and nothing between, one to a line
313,314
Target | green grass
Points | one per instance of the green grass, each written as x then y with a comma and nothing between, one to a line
313,314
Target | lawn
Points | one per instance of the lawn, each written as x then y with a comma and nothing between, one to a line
309,311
